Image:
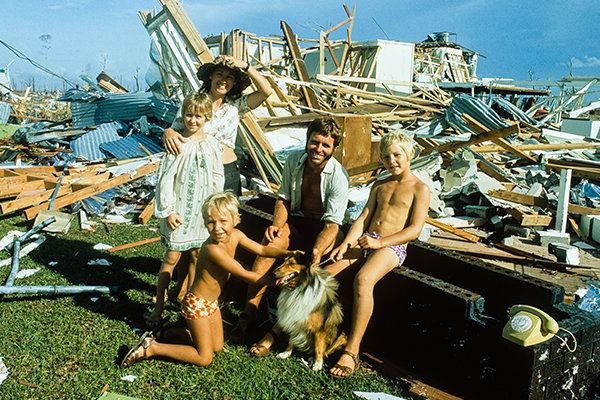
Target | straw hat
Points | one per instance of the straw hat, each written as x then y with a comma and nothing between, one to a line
242,80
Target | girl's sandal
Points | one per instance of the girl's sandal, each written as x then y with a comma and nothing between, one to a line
346,371
135,353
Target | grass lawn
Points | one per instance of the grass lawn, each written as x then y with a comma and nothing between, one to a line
69,346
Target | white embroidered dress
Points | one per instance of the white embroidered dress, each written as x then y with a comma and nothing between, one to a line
184,182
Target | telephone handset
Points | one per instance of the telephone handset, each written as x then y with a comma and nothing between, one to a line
528,326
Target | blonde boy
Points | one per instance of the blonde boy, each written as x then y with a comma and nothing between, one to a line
376,243
200,306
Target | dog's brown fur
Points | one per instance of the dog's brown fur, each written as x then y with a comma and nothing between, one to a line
308,309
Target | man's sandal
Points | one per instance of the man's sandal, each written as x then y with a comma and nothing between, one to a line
135,353
264,351
346,371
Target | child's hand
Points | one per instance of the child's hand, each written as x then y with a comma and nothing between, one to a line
368,242
173,221
338,253
294,252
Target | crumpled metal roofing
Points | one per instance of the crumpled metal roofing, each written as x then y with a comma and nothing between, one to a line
88,110
514,110
4,112
129,146
88,145
465,104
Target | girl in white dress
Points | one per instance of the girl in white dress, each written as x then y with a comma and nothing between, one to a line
184,182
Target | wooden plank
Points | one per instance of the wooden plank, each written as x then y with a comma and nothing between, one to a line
485,168
354,149
579,172
539,202
147,213
529,219
135,244
93,180
493,148
16,188
416,386
28,201
505,144
454,231
475,139
186,29
63,201
309,95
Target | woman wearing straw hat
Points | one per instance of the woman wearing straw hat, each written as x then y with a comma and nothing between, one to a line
224,80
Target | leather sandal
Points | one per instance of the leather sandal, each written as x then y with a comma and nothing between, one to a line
264,351
135,353
346,371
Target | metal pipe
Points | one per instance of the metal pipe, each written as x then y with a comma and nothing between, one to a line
17,248
57,289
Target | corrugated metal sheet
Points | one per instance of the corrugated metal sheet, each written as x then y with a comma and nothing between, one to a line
515,111
464,104
4,112
88,145
117,106
129,147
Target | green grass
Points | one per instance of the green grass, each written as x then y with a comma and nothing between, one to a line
70,346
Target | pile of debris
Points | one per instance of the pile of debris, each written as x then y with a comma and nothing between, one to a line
514,160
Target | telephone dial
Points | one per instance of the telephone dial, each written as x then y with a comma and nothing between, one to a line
528,326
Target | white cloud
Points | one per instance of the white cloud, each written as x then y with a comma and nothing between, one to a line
588,62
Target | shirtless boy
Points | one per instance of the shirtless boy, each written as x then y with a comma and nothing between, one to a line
376,243
200,305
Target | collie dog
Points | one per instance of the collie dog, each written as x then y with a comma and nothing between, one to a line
308,309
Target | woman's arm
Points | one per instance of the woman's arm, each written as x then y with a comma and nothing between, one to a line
263,88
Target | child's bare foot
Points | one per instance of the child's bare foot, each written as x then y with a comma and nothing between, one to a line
263,348
139,352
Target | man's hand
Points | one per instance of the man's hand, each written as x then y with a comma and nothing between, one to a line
172,141
173,221
272,233
315,257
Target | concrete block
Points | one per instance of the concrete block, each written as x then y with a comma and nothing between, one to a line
585,224
564,253
595,228
551,236
553,179
497,222
535,190
478,211
517,230
508,241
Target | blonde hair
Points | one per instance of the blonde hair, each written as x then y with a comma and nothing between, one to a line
399,137
223,202
198,103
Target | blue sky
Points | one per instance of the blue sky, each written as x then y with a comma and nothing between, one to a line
515,37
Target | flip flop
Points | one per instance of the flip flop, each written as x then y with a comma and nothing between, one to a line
346,371
264,351
139,345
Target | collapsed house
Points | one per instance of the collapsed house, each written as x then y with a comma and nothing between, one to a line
513,159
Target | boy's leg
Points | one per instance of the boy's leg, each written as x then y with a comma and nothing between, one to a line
164,278
377,265
200,353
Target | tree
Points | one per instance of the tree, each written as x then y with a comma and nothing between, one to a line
47,41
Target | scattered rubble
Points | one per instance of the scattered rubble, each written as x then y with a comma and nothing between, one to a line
503,163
